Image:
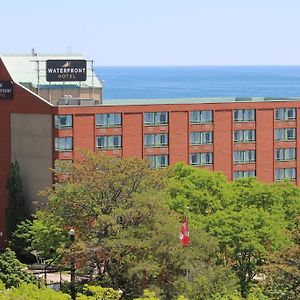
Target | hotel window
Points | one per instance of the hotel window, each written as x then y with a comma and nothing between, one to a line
288,173
244,156
155,118
244,136
285,134
64,144
243,174
109,142
109,120
156,140
201,159
63,121
201,117
201,138
285,114
244,115
159,161
285,154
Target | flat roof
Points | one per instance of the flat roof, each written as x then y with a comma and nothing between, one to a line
195,100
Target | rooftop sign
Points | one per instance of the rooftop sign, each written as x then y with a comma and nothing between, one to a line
66,70
6,90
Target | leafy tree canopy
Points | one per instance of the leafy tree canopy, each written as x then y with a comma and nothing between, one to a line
126,235
12,271
30,292
250,219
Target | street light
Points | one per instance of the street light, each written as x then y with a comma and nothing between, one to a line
72,239
39,278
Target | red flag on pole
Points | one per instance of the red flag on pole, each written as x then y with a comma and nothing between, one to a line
184,233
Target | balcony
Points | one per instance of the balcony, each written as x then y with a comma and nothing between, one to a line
76,102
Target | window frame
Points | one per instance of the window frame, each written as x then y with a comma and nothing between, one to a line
202,159
285,134
244,157
154,161
108,145
285,114
201,139
107,117
58,143
156,137
198,117
244,173
244,112
284,173
284,156
57,121
156,119
243,133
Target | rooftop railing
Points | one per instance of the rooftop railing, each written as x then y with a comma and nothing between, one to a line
75,102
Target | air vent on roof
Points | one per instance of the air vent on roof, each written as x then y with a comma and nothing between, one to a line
274,98
243,99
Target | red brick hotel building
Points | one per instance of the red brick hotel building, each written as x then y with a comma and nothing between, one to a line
46,116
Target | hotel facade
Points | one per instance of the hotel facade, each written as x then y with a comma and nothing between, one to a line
52,115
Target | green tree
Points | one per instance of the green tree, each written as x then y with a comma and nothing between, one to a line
246,238
203,191
282,273
126,236
147,295
30,292
251,220
15,211
12,271
97,292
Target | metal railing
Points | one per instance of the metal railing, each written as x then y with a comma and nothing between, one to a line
75,102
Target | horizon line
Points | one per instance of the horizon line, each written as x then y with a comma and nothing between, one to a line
154,66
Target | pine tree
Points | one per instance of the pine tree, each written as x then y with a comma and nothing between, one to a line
15,211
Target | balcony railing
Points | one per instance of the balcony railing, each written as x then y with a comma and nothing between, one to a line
75,102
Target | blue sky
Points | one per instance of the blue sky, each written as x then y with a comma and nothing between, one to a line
157,32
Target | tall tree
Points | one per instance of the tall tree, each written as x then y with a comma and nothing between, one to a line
250,219
125,233
15,211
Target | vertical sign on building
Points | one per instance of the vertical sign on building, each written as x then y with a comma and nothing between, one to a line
66,70
6,90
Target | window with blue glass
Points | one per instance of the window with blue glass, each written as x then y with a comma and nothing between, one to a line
63,121
284,154
201,159
156,140
201,116
155,118
109,120
244,136
244,115
243,174
201,137
109,142
159,161
285,114
285,134
244,156
63,144
285,173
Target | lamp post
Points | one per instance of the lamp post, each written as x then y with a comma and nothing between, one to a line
73,292
39,278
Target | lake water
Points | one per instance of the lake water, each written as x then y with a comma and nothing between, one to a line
194,82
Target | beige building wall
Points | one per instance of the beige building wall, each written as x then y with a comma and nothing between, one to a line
60,93
31,146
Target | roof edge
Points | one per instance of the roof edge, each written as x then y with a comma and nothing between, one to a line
34,94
